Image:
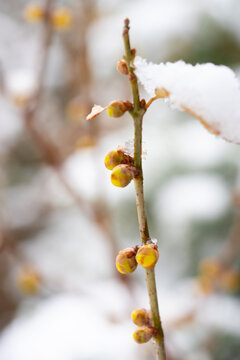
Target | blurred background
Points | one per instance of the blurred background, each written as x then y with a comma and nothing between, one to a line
61,220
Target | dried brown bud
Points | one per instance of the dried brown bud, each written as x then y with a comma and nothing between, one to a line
133,54
128,105
122,67
143,103
132,76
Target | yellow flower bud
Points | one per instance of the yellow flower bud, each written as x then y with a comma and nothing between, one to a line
121,176
210,267
29,281
126,261
113,158
33,13
230,281
147,256
118,107
140,317
61,18
143,334
117,157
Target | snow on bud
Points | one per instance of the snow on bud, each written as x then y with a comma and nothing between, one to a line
118,107
122,67
117,157
141,317
147,256
143,334
126,260
33,13
123,174
61,19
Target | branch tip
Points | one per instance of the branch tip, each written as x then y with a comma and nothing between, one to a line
126,23
126,27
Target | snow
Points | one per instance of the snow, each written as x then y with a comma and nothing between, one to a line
21,82
209,92
221,312
67,327
194,147
75,169
68,249
192,197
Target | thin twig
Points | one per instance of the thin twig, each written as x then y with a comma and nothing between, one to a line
137,114
150,101
51,153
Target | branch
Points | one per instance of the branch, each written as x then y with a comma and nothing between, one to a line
137,114
50,152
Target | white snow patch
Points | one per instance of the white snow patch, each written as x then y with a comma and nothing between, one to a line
21,82
209,91
222,312
70,251
195,147
66,328
191,197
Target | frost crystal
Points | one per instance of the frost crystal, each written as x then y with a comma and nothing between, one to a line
154,241
207,91
129,148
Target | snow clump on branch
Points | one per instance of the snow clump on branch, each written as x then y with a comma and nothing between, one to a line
207,91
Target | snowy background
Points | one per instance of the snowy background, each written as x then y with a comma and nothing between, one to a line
61,227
